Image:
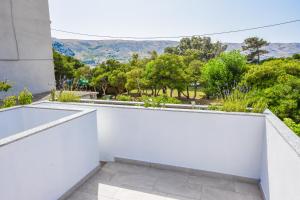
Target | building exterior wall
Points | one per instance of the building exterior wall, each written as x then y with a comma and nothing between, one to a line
44,162
213,141
27,118
280,175
25,46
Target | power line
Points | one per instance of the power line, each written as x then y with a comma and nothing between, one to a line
178,37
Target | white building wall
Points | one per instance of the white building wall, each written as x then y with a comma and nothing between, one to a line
18,119
25,45
205,140
46,164
280,173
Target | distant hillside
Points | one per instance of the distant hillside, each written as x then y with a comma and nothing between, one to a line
275,49
93,52
96,51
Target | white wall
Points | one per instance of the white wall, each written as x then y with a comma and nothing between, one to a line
280,178
45,165
19,119
33,117
212,141
25,45
11,121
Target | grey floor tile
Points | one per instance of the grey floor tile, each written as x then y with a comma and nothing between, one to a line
77,195
123,181
138,180
248,189
210,193
178,185
212,182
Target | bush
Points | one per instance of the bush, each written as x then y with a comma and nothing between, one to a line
278,83
223,72
68,97
296,56
4,86
235,106
107,97
239,101
260,106
25,97
123,98
292,125
9,101
53,95
236,102
214,107
159,101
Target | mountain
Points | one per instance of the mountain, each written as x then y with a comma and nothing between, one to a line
93,52
275,50
61,48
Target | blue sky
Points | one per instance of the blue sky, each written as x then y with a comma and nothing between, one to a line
143,18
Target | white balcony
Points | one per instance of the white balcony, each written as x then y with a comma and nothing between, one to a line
150,153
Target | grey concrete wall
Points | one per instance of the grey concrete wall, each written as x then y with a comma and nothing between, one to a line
25,45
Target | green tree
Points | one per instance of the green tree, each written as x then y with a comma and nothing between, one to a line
117,79
193,72
100,80
278,82
296,56
166,71
153,54
66,67
61,67
135,80
253,46
221,74
201,47
83,72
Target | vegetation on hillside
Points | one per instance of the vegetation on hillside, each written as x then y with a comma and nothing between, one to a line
196,70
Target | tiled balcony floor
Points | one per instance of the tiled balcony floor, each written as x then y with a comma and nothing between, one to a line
119,181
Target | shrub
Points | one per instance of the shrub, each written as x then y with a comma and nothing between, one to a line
123,98
260,106
68,97
107,97
159,101
214,107
223,72
53,95
292,125
25,97
278,82
9,101
235,106
296,56
4,86
236,102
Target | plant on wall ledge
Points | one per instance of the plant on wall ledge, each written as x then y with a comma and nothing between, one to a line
158,101
66,96
4,86
9,101
25,97
238,101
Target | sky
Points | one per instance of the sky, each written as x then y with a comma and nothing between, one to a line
148,18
